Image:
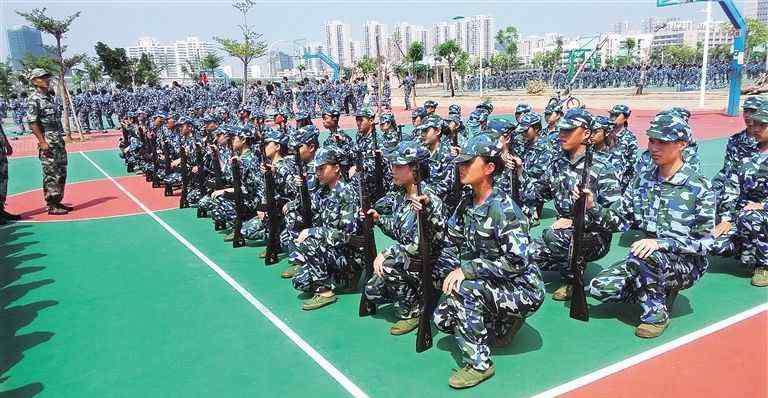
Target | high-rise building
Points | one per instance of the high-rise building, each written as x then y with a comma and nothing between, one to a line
649,24
762,11
441,33
374,40
337,40
171,58
23,41
355,51
621,27
481,36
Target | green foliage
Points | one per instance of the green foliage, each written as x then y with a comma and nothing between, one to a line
508,39
757,34
448,51
211,61
115,63
6,82
547,60
366,65
415,53
246,50
463,64
680,53
146,72
93,70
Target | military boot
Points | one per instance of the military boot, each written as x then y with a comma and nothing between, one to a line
469,377
563,293
760,277
318,301
651,330
290,272
404,326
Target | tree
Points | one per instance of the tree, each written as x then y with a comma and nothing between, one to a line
6,83
57,29
93,70
507,40
463,64
366,65
247,50
757,35
146,72
115,63
414,55
301,67
191,69
210,62
449,51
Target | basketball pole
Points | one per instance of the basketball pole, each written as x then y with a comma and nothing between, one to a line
705,60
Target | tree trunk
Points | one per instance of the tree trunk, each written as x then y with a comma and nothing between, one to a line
245,83
450,78
63,91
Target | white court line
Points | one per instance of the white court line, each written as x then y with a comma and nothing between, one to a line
646,355
353,389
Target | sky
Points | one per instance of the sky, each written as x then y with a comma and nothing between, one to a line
120,23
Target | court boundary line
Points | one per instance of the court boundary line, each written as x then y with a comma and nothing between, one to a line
649,354
326,365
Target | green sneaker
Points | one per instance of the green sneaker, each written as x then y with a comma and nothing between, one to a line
230,237
760,278
651,330
317,301
290,272
469,377
404,326
563,293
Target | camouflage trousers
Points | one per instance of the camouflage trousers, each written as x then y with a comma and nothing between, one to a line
18,119
110,121
551,252
223,210
748,239
85,123
322,266
173,178
96,120
647,282
54,165
483,305
402,287
194,195
407,98
3,179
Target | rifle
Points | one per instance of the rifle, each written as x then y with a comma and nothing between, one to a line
201,175
167,158
155,162
306,204
126,142
378,171
183,202
144,151
238,240
365,242
428,296
273,213
455,195
218,183
577,258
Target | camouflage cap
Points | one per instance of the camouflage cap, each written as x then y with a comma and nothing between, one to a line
620,109
332,112
430,104
161,115
479,145
276,136
366,111
553,108
602,122
682,112
258,114
761,113
453,117
668,127
306,135
485,105
244,132
229,130
479,116
454,110
407,152
575,117
418,112
753,103
301,115
522,108
185,120
38,72
130,114
327,155
142,110
387,118
435,122
528,120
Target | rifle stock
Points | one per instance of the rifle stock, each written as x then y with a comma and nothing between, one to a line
238,240
306,203
183,202
273,214
167,159
577,257
367,241
428,294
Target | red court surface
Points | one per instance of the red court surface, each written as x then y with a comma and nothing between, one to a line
27,145
732,362
94,199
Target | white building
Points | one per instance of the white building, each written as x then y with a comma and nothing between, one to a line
441,33
762,11
171,57
337,38
374,39
621,27
482,37
355,51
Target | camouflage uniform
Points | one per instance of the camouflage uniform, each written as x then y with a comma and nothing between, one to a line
500,285
398,220
322,259
441,166
3,168
564,174
679,213
622,145
746,181
41,109
251,188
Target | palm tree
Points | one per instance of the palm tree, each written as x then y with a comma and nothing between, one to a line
449,51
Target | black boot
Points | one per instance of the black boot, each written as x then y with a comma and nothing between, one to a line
8,216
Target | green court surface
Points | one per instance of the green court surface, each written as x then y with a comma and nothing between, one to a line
120,307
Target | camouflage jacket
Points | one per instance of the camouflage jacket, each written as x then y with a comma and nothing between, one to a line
740,147
494,240
41,108
679,212
441,169
564,175
335,214
748,182
622,150
399,221
252,181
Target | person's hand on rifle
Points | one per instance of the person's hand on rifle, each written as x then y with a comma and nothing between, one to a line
265,167
352,171
754,206
721,228
453,281
261,215
176,163
455,151
378,265
303,235
194,169
298,181
217,193
562,223
371,212
418,202
590,202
